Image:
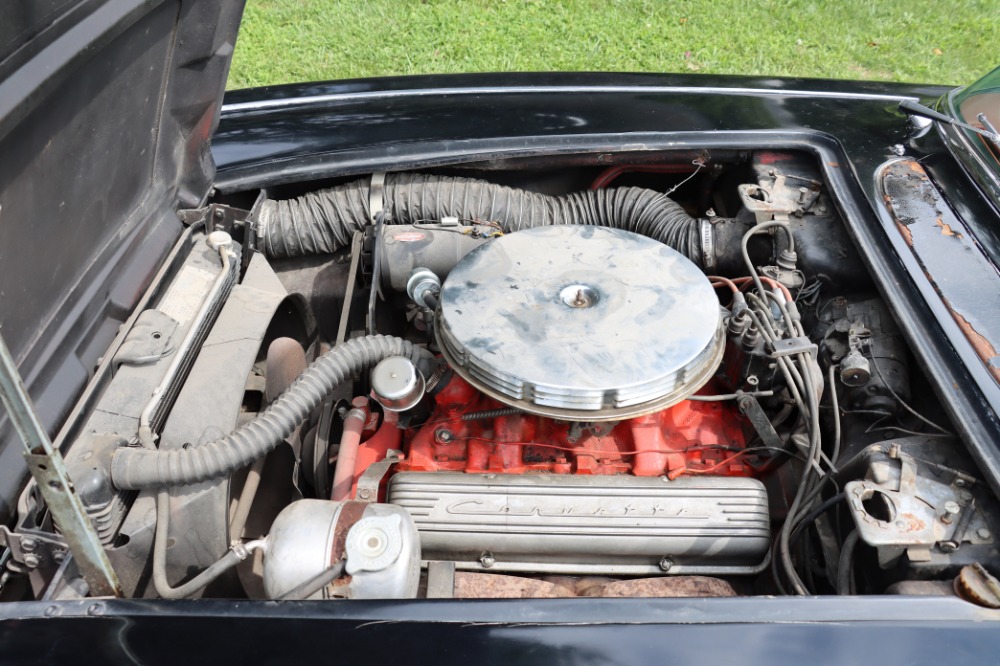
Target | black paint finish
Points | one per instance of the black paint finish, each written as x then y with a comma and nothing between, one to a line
747,631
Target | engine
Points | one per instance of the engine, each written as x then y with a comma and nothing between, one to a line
415,385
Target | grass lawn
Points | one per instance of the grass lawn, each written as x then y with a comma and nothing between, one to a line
934,41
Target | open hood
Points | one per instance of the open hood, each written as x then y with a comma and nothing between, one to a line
106,111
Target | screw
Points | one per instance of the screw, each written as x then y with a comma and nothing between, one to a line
487,559
951,509
95,609
364,493
803,193
959,483
666,564
983,533
444,436
31,560
28,545
58,555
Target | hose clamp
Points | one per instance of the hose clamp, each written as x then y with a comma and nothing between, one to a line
707,245
376,194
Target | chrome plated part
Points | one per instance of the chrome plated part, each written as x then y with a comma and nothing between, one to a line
422,283
596,525
49,470
379,542
396,383
580,322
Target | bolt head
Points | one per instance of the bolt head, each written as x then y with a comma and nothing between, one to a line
983,533
28,545
487,560
31,560
666,564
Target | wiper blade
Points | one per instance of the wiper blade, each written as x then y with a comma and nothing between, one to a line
917,109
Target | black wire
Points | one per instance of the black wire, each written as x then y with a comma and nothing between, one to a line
815,513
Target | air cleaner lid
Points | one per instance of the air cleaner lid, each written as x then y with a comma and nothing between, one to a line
580,322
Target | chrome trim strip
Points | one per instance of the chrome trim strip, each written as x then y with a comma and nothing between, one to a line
290,102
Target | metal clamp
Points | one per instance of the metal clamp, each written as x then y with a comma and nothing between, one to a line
376,194
371,478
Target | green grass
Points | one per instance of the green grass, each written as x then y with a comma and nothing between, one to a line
934,41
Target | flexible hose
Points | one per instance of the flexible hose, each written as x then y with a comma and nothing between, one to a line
137,468
234,556
844,566
324,221
347,454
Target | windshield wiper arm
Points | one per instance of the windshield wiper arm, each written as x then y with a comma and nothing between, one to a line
917,109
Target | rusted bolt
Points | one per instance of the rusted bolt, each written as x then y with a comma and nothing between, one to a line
31,560
951,509
666,564
487,559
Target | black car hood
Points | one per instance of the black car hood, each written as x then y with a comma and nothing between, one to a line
106,111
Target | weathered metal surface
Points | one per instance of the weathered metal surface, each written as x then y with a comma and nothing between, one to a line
556,321
941,243
977,585
476,585
47,466
673,586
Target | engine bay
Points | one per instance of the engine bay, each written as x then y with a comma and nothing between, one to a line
660,378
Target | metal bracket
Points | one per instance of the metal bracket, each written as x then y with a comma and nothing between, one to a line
376,194
790,346
371,478
49,470
749,407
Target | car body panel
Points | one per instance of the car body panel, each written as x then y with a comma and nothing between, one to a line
106,111
751,631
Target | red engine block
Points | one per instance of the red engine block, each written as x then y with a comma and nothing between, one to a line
691,437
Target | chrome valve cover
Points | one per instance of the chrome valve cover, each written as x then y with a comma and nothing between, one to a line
588,524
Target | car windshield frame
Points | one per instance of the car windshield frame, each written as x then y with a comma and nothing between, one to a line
974,150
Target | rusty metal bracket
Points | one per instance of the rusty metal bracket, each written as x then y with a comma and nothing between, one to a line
49,470
371,478
750,408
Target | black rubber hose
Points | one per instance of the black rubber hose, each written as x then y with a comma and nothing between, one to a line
136,468
324,221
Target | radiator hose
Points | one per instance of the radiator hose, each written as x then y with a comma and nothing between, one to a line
138,468
324,221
